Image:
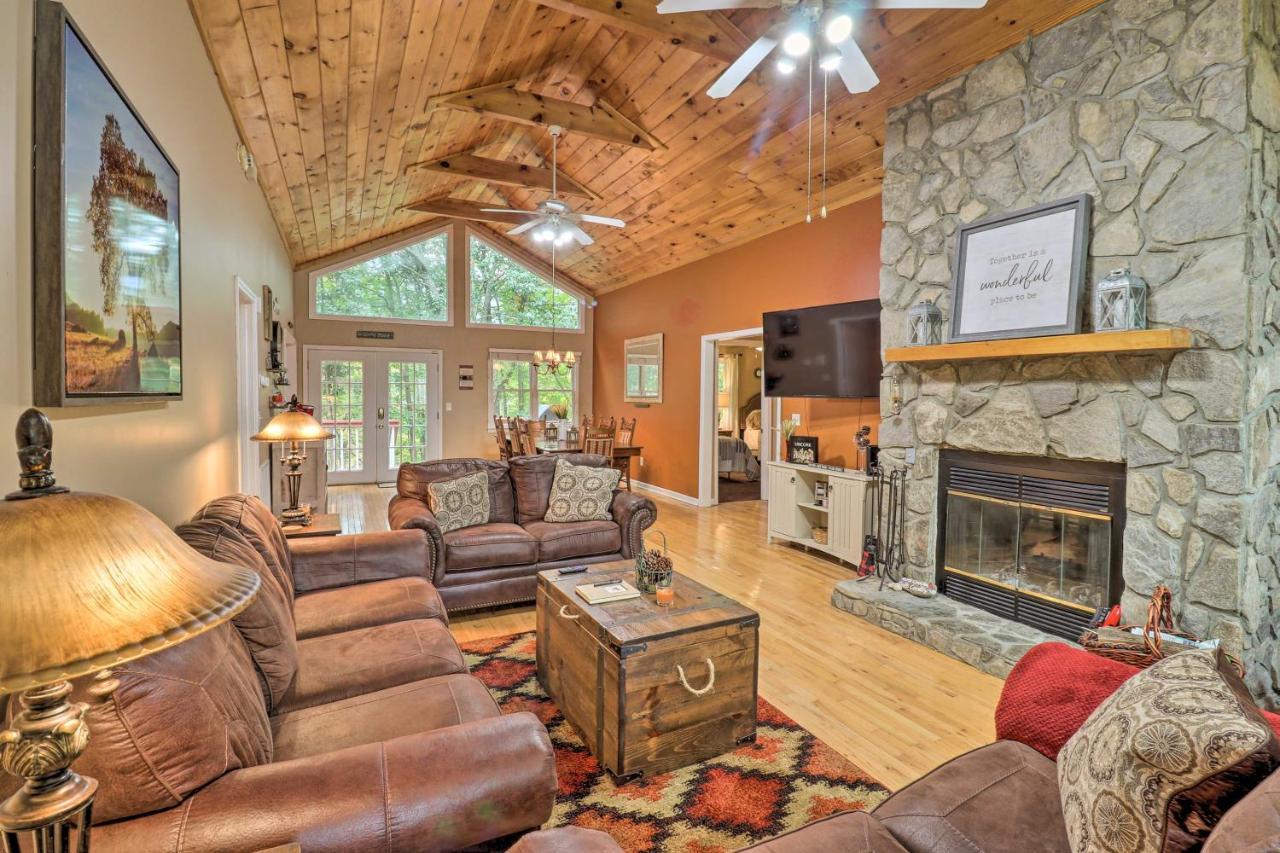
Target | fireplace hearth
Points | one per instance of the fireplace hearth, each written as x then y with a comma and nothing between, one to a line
1032,539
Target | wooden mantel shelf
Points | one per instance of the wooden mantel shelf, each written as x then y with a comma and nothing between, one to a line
1147,340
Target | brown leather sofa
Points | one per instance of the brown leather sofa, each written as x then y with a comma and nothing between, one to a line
336,712
497,563
1001,798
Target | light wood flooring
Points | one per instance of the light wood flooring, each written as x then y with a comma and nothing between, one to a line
893,707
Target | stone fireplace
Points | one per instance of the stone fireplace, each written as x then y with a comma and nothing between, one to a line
1167,112
1036,540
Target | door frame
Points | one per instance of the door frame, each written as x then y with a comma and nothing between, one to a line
708,482
248,386
435,447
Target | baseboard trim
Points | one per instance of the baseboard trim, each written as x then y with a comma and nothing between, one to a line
666,493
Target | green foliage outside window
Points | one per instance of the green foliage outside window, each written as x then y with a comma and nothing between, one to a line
519,392
411,283
507,293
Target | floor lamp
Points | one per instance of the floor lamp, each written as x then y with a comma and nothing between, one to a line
90,582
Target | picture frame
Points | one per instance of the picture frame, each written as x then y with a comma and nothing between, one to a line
802,449
106,233
1022,274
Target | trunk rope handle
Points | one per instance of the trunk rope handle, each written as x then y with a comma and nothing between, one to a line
564,614
711,679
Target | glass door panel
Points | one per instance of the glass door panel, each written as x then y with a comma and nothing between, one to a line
341,409
407,424
982,538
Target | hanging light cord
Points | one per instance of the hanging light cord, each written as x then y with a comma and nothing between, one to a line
808,202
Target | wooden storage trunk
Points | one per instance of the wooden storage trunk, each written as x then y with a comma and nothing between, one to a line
649,688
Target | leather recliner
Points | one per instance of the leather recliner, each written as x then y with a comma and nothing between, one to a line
497,563
335,712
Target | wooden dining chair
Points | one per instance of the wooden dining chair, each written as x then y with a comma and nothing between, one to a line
500,435
536,433
599,447
626,434
588,421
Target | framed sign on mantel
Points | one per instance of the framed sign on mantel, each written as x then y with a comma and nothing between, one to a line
1022,274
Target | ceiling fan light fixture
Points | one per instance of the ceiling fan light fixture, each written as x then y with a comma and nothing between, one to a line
786,65
830,60
544,234
796,43
839,27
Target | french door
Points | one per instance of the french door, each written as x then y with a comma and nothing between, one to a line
382,406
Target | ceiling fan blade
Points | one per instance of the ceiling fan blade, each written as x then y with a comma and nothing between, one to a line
601,220
581,236
520,229
457,208
670,7
737,72
503,210
920,4
855,70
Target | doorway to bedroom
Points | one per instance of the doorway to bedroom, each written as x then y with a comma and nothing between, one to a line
735,434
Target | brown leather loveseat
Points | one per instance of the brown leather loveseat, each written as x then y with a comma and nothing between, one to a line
336,712
497,563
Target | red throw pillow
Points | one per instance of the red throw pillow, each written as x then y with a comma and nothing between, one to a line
1053,689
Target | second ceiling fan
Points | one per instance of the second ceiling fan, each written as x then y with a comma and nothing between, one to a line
824,25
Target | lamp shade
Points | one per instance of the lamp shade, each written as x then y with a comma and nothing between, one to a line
91,581
293,425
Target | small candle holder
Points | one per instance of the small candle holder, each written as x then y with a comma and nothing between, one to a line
664,592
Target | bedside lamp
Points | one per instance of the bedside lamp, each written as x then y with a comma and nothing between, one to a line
294,427
90,582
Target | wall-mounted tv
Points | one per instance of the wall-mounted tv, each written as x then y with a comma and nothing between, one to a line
824,351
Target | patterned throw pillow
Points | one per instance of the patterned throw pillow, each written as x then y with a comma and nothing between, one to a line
581,493
1158,764
460,502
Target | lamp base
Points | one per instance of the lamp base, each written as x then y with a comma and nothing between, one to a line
301,516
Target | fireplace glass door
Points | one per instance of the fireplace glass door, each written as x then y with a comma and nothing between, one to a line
1059,554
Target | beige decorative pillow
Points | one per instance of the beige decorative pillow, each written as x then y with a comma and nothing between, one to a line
460,502
581,493
1158,764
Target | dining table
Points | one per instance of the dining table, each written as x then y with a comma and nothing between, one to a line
622,453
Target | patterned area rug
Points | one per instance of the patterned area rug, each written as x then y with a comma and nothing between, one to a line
785,779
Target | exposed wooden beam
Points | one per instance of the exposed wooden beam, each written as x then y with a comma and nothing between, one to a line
504,101
456,208
710,33
469,165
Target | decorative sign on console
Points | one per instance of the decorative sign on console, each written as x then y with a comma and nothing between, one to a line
1021,274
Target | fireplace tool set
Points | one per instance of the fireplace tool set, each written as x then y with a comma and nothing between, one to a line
884,550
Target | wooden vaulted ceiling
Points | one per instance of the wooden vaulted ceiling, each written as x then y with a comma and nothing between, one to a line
343,104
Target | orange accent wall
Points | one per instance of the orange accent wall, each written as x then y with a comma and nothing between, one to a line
832,260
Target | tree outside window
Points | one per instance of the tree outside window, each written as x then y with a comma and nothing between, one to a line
518,391
410,283
504,292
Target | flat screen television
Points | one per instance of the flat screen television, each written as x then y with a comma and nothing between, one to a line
824,351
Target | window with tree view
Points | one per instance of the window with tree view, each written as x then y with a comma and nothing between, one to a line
409,283
504,292
518,391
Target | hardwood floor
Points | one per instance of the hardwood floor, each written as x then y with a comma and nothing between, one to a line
895,708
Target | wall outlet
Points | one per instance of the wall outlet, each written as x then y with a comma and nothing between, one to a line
448,407
642,463
911,456
795,419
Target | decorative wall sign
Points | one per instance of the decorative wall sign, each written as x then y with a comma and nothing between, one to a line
1021,274
108,270
375,335
802,449
466,377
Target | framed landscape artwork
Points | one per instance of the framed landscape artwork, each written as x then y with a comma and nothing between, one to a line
1021,275
108,271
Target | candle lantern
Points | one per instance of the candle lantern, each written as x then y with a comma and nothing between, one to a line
925,319
1120,303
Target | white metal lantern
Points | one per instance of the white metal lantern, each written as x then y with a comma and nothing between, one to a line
1120,303
926,324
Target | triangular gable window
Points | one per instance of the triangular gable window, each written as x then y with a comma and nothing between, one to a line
505,292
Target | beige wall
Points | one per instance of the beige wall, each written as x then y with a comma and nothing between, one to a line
466,427
170,457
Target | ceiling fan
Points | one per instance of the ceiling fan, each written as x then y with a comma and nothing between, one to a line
799,34
553,221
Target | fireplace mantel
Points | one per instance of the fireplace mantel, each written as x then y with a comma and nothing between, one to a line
1146,340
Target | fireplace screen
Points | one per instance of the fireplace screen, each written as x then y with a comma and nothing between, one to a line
1060,554
1035,540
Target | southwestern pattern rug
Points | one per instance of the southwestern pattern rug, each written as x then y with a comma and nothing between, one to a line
784,780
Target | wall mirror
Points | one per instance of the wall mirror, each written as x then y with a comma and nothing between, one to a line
644,369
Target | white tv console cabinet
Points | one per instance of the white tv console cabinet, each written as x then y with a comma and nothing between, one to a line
794,512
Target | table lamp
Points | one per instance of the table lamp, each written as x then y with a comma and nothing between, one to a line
90,582
294,427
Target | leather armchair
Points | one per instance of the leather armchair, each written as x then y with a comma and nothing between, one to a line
440,790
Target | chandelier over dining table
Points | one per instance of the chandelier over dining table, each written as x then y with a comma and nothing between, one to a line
551,361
